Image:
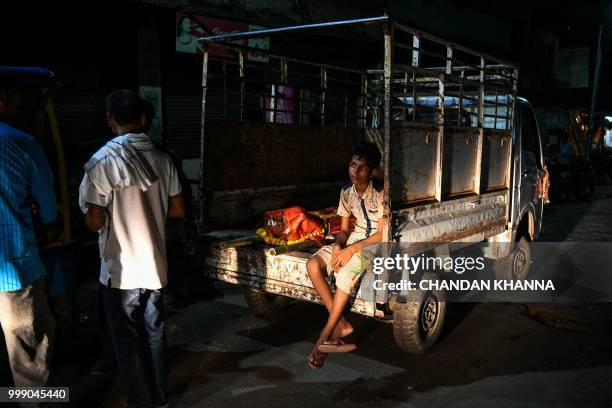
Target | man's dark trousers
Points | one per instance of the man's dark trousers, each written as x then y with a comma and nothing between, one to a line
137,329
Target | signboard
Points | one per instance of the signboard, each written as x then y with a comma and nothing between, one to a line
572,67
190,27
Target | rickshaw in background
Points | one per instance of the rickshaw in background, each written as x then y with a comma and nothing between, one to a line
36,116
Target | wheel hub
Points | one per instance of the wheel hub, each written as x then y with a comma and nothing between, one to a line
429,313
520,265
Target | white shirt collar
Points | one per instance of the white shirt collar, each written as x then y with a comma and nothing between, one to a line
367,194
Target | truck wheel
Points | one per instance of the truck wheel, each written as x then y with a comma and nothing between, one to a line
417,324
265,305
515,266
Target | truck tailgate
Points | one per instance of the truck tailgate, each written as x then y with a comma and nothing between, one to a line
284,274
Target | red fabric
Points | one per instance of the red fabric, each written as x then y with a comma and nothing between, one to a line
333,224
291,224
294,223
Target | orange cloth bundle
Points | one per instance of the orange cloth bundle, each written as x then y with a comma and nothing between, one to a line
290,226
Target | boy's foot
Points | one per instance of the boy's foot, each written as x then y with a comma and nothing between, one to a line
342,330
336,346
316,359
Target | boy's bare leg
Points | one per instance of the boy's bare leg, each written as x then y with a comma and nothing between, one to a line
316,267
335,315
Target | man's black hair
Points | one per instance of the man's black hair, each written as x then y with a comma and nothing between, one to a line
369,152
125,106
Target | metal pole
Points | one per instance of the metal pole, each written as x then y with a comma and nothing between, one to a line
481,94
388,72
61,164
201,225
284,71
496,102
416,62
512,104
224,90
242,85
441,99
414,96
594,98
381,295
300,109
364,101
271,31
461,101
323,88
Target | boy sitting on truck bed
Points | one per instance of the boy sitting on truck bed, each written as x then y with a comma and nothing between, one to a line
347,257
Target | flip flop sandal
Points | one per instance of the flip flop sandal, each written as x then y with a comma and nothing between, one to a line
316,359
336,346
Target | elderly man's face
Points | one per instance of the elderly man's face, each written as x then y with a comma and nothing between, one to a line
10,101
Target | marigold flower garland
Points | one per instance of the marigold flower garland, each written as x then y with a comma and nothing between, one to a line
272,240
324,216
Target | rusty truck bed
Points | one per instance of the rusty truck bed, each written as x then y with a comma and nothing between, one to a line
281,274
467,219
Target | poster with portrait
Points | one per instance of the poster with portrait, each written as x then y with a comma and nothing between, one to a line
190,27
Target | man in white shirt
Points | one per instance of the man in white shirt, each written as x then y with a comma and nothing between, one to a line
129,189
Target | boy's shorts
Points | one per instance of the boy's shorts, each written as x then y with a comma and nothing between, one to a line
349,274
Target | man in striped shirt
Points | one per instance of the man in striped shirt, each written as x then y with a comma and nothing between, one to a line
26,183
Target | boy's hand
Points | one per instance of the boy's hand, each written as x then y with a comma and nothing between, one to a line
342,257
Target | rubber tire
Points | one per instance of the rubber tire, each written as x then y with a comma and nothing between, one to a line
265,305
410,335
505,268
